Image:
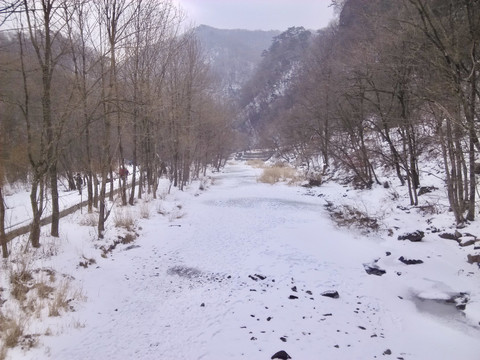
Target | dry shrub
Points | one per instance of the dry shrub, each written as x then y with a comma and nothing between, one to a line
145,210
274,174
161,210
88,261
60,299
78,324
123,219
11,330
347,216
429,209
89,220
162,194
19,291
21,278
43,290
176,214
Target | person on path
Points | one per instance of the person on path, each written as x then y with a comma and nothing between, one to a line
79,183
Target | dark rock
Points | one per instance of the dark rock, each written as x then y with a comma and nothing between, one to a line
460,300
282,355
473,258
314,182
467,241
426,189
388,253
309,292
253,277
386,185
373,269
362,327
387,352
410,261
294,289
403,208
253,338
329,314
448,236
269,318
202,305
331,294
413,236
261,277
283,338
293,297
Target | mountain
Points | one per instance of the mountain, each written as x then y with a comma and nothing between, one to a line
234,54
266,96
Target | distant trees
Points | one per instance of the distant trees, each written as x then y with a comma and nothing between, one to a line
99,85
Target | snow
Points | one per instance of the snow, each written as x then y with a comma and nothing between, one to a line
212,276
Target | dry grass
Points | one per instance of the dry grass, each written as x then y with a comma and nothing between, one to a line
89,220
274,174
11,331
3,353
256,163
124,219
348,216
44,290
176,214
430,209
21,278
60,299
87,262
145,210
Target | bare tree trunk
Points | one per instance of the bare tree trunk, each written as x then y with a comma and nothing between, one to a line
3,237
36,201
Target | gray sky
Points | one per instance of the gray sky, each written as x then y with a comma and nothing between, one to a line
259,14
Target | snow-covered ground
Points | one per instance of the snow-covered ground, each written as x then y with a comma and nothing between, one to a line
238,271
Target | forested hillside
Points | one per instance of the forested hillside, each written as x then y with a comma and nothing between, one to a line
391,83
233,55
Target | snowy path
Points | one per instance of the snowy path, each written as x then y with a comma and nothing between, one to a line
190,290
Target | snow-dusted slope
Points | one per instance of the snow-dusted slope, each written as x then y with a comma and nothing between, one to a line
239,273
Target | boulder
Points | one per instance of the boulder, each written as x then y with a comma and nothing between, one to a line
410,261
281,355
413,236
467,241
473,258
331,294
448,236
426,189
460,300
373,270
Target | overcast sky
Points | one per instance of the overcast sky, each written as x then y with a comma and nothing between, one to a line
259,14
